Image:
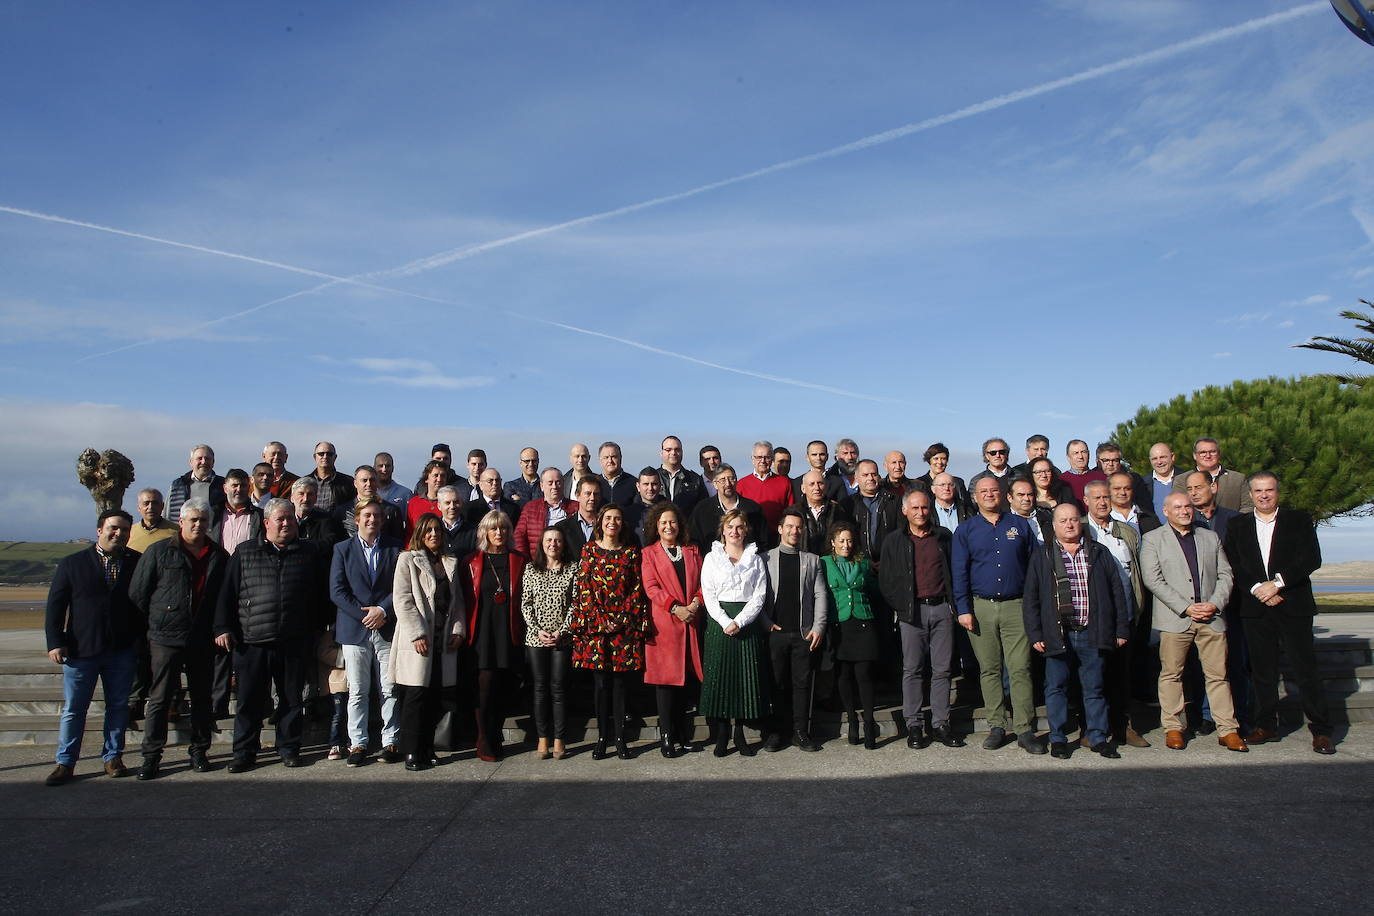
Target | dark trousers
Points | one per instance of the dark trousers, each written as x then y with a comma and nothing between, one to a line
143,678
611,688
851,676
417,714
259,668
673,704
550,666
1263,635
167,664
792,663
493,692
221,682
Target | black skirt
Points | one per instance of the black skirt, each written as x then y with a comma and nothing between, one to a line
855,640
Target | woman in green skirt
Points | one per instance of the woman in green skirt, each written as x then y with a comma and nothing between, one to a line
733,583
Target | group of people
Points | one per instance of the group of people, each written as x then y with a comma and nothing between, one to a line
724,593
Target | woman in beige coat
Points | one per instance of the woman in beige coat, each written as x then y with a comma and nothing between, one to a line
430,625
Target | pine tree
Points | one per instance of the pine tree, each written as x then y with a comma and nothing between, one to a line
1314,432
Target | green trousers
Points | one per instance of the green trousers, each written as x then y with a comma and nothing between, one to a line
999,631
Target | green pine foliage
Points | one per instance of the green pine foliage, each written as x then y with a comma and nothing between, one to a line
1316,434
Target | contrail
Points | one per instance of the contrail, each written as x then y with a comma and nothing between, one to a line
443,258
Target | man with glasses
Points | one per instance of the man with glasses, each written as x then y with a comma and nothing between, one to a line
771,491
995,453
525,488
947,509
1109,462
679,484
1232,492
334,488
708,513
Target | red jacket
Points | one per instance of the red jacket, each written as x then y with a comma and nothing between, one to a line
670,642
534,517
472,583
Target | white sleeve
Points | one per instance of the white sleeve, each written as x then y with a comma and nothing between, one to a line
756,581
710,593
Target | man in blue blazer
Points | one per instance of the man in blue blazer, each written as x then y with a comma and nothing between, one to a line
92,631
360,586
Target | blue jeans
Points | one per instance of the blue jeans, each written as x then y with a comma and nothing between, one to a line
1059,669
115,670
364,664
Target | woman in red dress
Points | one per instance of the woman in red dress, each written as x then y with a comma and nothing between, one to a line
609,620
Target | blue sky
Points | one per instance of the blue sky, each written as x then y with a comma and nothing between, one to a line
1221,194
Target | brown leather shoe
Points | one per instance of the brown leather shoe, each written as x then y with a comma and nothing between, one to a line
115,767
1322,744
1134,738
1261,736
1174,740
1233,742
60,774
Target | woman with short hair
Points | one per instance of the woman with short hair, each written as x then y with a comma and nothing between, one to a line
734,581
496,629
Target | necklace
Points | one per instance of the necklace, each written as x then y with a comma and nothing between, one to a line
500,596
674,553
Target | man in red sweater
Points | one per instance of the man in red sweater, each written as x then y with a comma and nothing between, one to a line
773,492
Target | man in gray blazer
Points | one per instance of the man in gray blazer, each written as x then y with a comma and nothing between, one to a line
796,607
1187,571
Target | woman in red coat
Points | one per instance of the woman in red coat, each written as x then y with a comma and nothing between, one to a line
671,571
496,628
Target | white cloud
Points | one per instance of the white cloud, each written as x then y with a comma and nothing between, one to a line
1056,415
416,373
1245,319
1285,324
1222,355
1316,300
33,321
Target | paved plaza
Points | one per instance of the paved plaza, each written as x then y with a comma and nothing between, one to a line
1278,830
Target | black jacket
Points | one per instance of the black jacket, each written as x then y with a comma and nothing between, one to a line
635,514
254,523
889,519
960,488
321,527
572,533
273,594
708,513
834,488
897,575
180,491
393,520
691,489
622,492
1109,614
474,510
340,488
84,615
1294,554
816,538
163,590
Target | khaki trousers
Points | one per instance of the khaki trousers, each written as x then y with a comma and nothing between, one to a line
1173,653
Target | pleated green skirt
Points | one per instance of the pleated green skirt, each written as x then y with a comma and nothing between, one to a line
734,685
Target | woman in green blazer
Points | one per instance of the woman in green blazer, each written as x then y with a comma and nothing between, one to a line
854,636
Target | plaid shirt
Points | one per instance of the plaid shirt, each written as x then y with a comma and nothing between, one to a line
1076,565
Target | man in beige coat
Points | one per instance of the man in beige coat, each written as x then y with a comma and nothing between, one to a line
1188,573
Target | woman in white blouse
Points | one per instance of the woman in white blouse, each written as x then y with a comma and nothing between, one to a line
733,583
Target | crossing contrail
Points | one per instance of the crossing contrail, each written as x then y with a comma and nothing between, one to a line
440,259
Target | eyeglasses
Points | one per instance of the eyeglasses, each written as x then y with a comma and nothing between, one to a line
997,451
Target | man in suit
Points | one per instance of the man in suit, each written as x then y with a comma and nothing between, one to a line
360,578
1037,446
201,481
817,455
1274,551
542,513
460,535
708,513
708,456
1121,490
1232,491
579,466
1202,491
91,628
797,603
1162,475
1188,573
875,511
995,452
1021,501
819,512
917,584
312,522
365,480
489,498
577,528
1075,612
682,485
846,466
525,488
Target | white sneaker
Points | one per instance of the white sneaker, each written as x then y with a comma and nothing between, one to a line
336,753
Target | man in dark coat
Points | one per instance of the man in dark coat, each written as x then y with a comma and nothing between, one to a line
92,629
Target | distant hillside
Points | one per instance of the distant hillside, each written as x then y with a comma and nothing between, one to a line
32,562
1356,569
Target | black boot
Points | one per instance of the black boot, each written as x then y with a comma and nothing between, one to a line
665,743
599,752
853,728
870,734
742,745
720,734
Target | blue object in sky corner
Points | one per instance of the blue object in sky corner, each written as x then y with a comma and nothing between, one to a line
1358,16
